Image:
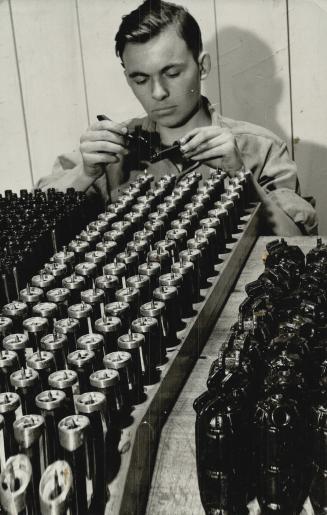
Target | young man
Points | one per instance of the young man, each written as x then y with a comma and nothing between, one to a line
161,51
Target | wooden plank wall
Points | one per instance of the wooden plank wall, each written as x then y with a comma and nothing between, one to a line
58,70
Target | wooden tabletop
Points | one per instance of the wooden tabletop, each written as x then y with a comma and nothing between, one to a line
174,488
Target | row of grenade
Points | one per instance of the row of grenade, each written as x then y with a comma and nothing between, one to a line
261,426
32,226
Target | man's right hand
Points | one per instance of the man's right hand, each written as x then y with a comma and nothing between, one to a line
103,142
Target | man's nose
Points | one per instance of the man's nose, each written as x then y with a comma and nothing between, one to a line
159,91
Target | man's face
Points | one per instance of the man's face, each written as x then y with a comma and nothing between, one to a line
164,77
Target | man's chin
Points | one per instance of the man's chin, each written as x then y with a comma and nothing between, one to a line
170,122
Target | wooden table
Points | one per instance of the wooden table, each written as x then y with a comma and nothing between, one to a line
174,487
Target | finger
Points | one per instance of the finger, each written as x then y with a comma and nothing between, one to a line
109,125
96,158
194,132
213,153
216,142
206,134
206,145
103,136
102,146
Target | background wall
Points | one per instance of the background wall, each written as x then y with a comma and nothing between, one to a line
58,70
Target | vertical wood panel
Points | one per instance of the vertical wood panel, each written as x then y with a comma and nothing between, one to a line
50,64
204,13
14,165
253,61
107,89
308,40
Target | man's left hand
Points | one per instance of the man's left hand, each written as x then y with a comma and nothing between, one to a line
214,146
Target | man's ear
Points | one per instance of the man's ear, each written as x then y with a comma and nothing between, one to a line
204,62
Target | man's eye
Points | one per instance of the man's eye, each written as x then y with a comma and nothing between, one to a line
140,81
172,74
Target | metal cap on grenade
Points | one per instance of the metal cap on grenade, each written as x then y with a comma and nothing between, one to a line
73,431
62,379
58,270
17,311
27,429
16,342
24,378
130,341
100,225
74,282
79,247
80,358
45,310
9,402
17,471
116,360
67,325
55,488
102,379
43,280
5,326
31,295
49,400
108,324
90,402
58,295
109,284
54,341
36,324
40,360
87,271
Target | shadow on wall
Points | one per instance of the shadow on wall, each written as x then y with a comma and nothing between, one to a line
251,89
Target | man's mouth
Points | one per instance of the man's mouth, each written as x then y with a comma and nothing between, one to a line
165,109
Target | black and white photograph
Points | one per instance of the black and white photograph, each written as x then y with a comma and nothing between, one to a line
163,257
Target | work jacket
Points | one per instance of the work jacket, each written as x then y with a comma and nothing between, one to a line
263,153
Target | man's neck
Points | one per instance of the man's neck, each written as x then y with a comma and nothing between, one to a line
200,118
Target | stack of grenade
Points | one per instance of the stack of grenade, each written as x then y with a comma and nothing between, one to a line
90,330
261,427
32,225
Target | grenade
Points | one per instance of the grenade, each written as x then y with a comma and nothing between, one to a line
141,247
109,284
17,342
73,436
92,405
59,271
61,297
79,247
141,283
97,257
75,284
221,435
109,248
31,295
281,455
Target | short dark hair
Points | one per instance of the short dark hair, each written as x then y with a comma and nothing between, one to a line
153,16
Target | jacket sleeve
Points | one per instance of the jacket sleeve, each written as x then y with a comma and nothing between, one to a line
66,172
278,178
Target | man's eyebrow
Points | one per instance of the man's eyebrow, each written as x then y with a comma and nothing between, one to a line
163,70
